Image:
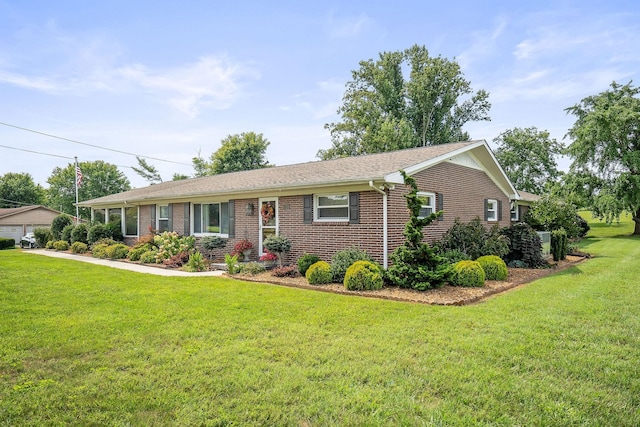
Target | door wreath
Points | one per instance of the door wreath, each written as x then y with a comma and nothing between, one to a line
267,212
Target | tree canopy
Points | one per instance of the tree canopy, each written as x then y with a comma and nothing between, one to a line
384,111
606,143
99,179
245,151
528,158
19,189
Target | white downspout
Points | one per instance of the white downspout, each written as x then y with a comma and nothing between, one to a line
385,242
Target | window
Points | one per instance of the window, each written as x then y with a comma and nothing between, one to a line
428,204
99,215
514,212
332,207
491,210
163,218
114,215
211,218
131,221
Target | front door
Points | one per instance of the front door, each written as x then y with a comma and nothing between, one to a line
268,219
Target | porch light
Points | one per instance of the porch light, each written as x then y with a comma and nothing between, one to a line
249,209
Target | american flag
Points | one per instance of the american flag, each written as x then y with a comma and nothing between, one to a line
78,176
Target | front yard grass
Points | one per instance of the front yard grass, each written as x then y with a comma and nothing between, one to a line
89,345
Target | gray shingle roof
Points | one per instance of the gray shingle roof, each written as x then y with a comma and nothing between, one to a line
348,170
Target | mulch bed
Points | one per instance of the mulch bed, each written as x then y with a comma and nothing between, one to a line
446,295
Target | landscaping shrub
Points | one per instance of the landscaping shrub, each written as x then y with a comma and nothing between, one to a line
559,245
58,224
196,263
99,250
177,260
473,239
285,271
115,230
97,232
66,233
79,233
319,273
524,245
232,263
171,243
494,267
49,245
417,265
79,248
278,245
305,261
213,242
343,259
454,255
550,214
6,243
468,273
363,276
61,245
252,268
136,252
117,251
42,235
149,257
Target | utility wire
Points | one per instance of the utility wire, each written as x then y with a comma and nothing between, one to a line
52,155
91,145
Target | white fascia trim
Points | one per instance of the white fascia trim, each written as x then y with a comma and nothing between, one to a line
396,177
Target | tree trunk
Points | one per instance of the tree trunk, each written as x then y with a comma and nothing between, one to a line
636,220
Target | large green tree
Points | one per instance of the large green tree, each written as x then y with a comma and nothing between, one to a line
606,143
99,179
383,110
238,152
19,189
528,157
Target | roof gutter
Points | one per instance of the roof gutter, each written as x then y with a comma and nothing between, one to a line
385,239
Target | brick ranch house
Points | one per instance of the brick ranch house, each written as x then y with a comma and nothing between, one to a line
324,206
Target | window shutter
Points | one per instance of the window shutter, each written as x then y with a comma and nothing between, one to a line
307,207
187,229
232,218
486,209
170,222
499,210
439,205
354,208
153,224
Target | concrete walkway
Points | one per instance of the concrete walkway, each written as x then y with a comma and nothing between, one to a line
122,265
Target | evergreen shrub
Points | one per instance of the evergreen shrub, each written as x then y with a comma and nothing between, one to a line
468,274
524,245
79,233
363,276
559,245
66,233
79,248
305,261
149,257
42,235
343,259
61,245
494,267
319,273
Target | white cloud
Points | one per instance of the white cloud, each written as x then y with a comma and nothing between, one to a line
483,45
210,82
339,27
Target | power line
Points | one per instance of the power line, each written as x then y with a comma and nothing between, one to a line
91,145
52,155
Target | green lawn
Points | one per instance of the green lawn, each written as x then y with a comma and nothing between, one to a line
88,345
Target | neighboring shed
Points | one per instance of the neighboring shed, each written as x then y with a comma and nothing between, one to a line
16,222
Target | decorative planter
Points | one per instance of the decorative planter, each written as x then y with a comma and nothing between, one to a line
246,255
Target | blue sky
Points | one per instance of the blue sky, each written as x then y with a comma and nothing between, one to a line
171,80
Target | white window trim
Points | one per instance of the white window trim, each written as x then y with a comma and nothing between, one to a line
192,216
159,218
316,207
514,213
432,205
492,214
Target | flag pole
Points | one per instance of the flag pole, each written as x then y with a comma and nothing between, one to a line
76,181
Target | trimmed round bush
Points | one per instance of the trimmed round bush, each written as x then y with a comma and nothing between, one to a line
319,273
494,267
49,245
149,257
99,250
306,261
66,233
79,233
468,273
343,259
363,276
136,252
61,245
97,232
42,235
79,247
58,223
117,251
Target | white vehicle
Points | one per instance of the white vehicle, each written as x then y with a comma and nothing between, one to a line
28,241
